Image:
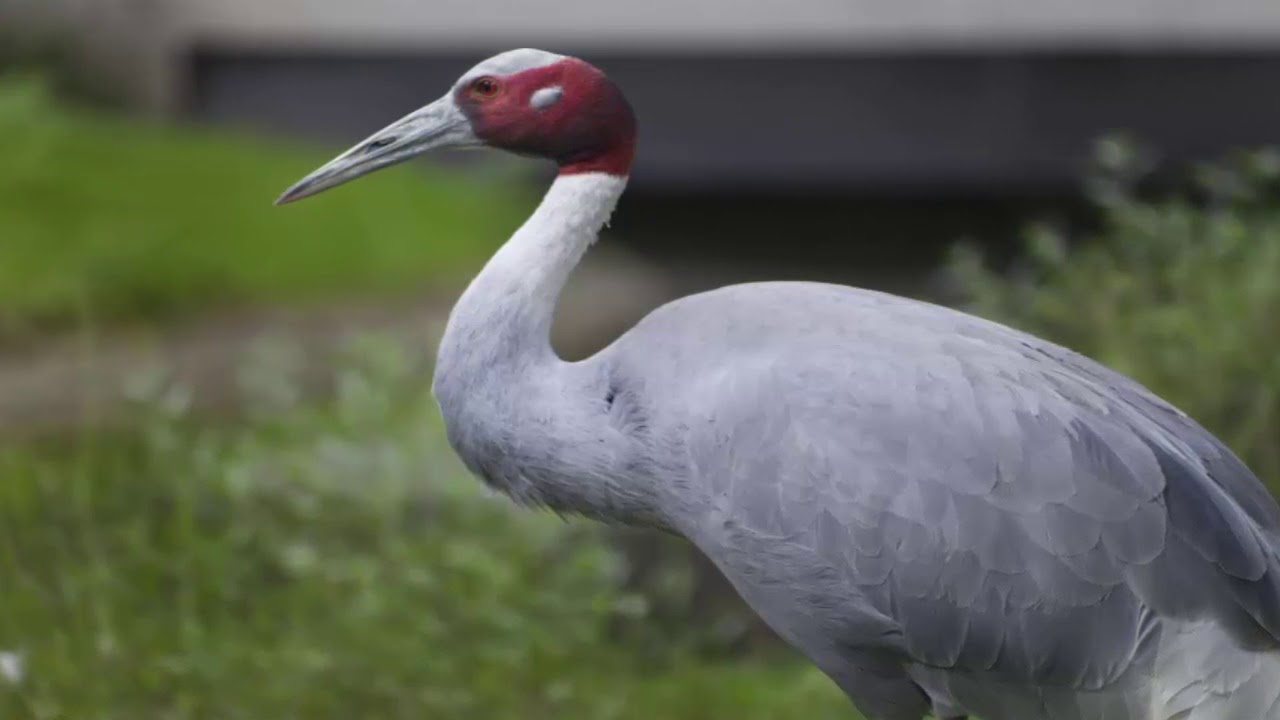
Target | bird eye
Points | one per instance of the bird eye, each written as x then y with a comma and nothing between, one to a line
485,87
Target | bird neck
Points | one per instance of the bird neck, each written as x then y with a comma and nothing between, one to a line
522,419
504,316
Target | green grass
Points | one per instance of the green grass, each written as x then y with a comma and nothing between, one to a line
325,562
104,218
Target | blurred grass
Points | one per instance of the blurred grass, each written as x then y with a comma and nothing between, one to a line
324,561
103,218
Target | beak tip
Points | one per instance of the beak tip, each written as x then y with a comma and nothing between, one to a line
297,192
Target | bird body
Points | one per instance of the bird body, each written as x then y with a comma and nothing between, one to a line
943,513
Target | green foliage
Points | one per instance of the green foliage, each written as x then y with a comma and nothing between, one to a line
108,219
321,562
1182,293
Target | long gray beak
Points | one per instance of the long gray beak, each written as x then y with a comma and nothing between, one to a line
438,125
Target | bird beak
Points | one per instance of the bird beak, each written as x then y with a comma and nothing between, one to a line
438,125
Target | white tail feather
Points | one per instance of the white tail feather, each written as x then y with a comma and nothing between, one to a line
1202,674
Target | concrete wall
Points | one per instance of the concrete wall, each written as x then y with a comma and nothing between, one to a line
144,45
734,25
121,44
770,93
998,123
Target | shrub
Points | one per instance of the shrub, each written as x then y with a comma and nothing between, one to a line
278,568
1181,292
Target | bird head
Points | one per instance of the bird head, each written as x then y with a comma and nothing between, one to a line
526,101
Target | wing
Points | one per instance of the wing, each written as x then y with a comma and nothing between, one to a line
1011,506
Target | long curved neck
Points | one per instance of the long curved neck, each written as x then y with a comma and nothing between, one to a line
504,316
520,418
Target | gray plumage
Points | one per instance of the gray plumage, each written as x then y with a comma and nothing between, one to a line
943,513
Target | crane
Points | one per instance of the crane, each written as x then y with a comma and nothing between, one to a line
944,514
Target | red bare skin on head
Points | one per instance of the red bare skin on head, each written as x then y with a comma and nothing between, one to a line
590,128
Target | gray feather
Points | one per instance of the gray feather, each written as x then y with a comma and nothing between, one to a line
1008,506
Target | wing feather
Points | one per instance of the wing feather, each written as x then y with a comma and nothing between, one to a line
1003,503
1009,508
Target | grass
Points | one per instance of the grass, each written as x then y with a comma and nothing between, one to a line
103,218
325,561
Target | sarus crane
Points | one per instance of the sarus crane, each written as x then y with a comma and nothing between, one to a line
944,514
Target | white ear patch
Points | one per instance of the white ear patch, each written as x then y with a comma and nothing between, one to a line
546,97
